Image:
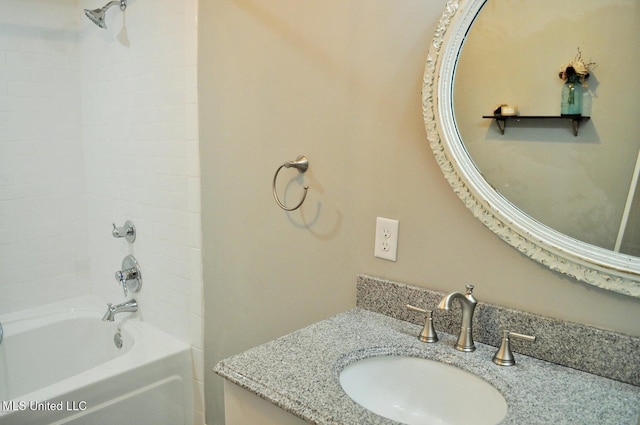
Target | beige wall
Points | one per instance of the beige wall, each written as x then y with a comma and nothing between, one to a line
339,82
527,163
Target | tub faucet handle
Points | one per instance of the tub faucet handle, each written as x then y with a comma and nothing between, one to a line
130,277
124,276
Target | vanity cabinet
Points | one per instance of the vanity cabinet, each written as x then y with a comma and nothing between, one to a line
242,407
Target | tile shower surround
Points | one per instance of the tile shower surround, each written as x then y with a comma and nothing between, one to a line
597,351
73,101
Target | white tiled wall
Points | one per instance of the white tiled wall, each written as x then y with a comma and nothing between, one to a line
100,126
43,224
139,105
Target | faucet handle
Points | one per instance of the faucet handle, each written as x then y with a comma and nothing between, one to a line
128,231
428,333
121,277
504,356
130,277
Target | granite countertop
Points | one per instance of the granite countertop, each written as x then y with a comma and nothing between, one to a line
299,373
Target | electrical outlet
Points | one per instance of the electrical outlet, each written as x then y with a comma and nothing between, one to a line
386,244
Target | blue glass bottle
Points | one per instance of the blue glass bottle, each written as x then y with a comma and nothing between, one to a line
571,103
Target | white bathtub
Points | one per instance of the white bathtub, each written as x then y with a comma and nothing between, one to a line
59,365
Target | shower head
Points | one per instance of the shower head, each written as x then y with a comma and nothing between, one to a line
97,15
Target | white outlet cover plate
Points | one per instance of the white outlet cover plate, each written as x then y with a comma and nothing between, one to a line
386,243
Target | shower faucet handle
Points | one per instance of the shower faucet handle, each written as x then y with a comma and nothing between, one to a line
130,277
124,276
128,231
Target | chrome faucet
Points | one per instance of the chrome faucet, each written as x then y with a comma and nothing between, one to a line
128,231
130,277
130,306
1,333
468,304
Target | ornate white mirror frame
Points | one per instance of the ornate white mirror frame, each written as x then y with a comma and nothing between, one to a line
594,265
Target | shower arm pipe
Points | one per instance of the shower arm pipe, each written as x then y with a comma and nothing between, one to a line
301,163
122,3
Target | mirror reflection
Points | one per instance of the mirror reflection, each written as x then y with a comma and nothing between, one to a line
583,186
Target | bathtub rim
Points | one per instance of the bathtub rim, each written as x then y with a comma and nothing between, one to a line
151,344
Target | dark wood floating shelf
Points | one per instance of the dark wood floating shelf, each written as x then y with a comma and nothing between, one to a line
501,120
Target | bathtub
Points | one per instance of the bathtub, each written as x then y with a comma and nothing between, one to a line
59,364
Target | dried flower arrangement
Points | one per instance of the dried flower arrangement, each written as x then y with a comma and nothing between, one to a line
577,69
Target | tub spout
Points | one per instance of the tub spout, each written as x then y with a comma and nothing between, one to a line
130,306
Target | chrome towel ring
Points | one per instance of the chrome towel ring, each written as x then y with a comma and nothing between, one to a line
301,163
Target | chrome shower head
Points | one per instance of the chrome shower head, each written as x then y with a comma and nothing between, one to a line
97,15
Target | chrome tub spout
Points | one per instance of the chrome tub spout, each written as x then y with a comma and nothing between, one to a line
130,306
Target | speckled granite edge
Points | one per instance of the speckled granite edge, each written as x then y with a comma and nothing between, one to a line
597,351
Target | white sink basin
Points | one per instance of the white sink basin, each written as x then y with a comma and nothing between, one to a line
417,391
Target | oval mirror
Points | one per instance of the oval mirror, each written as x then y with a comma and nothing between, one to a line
490,201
